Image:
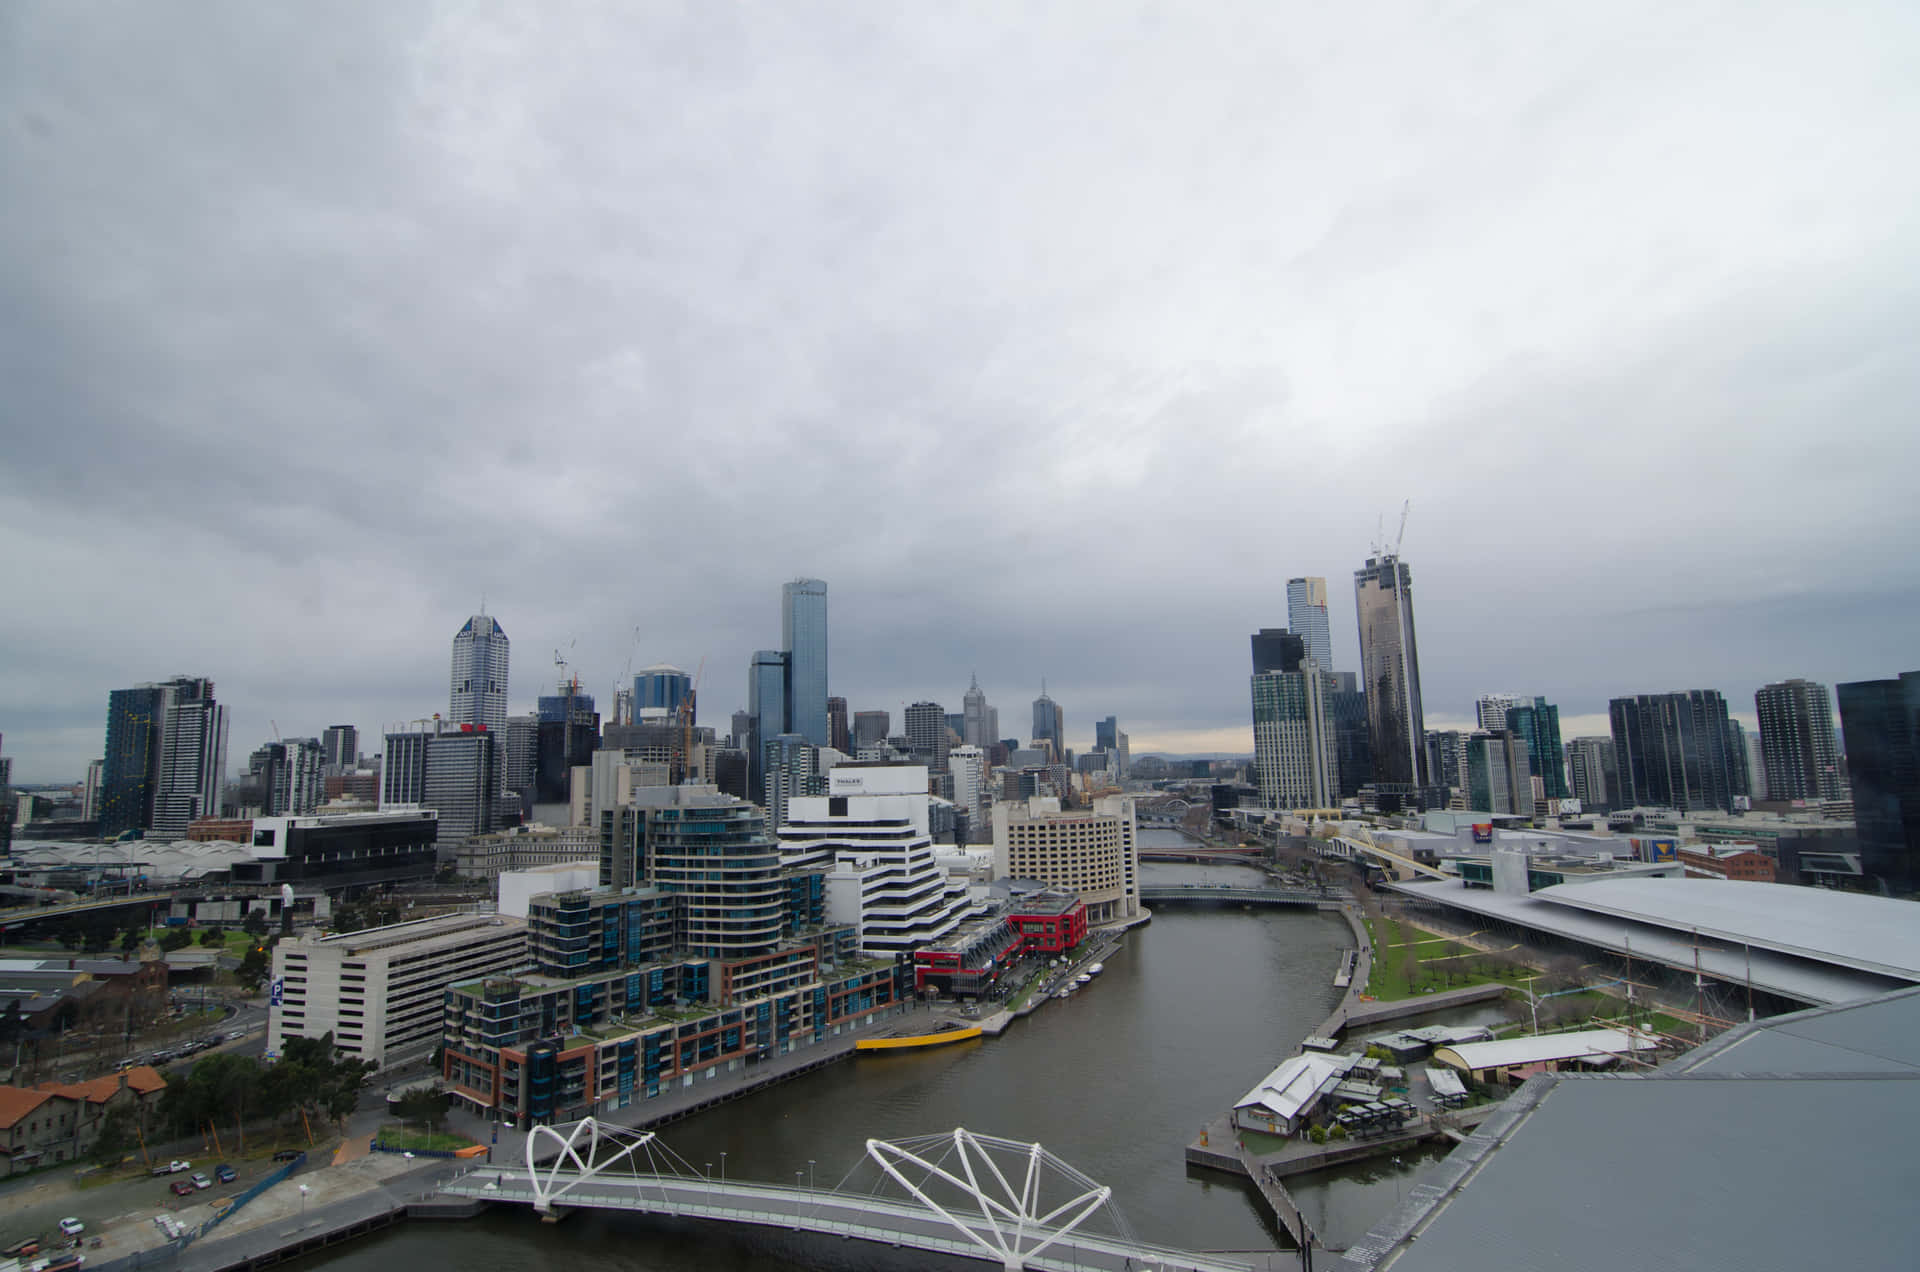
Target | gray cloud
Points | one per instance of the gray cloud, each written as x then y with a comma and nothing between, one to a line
1055,341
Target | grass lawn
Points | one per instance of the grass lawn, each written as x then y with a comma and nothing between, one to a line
1439,963
413,1139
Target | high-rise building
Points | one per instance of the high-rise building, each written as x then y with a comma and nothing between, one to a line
839,736
1307,617
478,693
1447,763
1049,723
193,759
1590,764
927,735
1351,739
298,781
793,769
767,704
138,777
968,764
660,690
741,734
1536,722
975,727
403,768
1498,780
1092,853
870,728
803,629
1796,741
1672,750
462,781
1390,667
566,736
1295,753
1277,649
1490,710
521,779
1881,722
90,793
340,747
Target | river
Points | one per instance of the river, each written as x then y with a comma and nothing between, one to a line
1191,1011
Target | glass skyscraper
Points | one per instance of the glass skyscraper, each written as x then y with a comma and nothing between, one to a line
1796,741
1307,618
478,689
1536,722
1881,722
1295,751
1390,666
803,631
1673,750
767,705
661,688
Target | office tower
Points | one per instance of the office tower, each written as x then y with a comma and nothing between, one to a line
1049,723
90,792
926,724
340,747
131,781
1351,741
403,768
1447,759
1536,722
660,690
1590,764
1490,710
839,736
793,764
462,780
1881,722
870,728
1739,779
1796,741
1093,853
975,727
521,777
193,759
1307,617
1498,778
1277,649
1390,668
1757,765
968,765
1294,749
1106,734
1671,750
803,630
742,732
566,736
479,685
767,705
297,781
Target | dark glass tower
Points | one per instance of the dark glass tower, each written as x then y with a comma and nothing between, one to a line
1390,669
1881,722
803,631
1796,741
1673,750
1537,723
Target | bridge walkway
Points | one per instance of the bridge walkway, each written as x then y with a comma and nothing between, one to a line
855,1217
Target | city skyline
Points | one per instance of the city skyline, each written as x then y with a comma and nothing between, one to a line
413,373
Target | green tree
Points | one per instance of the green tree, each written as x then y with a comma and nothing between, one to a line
176,938
212,936
254,966
116,1135
70,935
130,940
255,924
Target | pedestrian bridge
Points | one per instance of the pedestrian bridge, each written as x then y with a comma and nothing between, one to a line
979,1197
1210,894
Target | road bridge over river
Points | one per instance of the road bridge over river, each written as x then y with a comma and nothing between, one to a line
961,1195
1209,894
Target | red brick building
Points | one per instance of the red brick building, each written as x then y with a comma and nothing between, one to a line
1742,862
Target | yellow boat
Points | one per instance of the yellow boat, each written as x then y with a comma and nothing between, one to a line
951,1032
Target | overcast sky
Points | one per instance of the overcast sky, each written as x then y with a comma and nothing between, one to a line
1055,338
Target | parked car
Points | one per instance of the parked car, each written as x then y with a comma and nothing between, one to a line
199,1180
72,1227
286,1155
225,1173
181,1188
171,1168
22,1249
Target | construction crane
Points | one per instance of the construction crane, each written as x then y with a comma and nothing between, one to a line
1400,538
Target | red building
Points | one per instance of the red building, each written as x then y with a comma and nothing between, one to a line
967,963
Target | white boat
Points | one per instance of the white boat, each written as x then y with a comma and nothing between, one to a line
1065,993
1083,978
1096,969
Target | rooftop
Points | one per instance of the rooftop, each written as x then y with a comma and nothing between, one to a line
1584,1044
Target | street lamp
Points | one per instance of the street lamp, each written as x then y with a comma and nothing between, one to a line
303,1200
810,1183
723,1168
